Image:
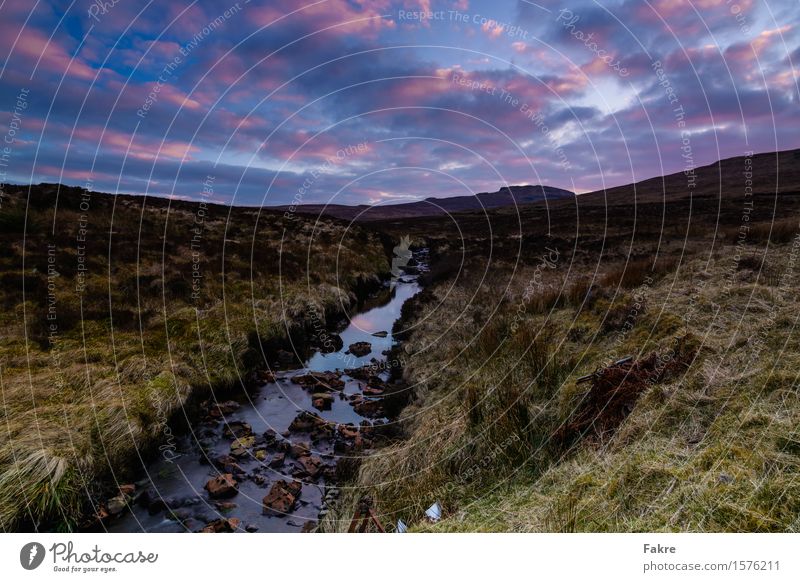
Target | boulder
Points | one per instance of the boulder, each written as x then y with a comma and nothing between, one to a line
359,349
222,486
282,497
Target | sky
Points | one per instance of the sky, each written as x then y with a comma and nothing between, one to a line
374,102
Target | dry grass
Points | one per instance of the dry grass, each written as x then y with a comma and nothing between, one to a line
137,346
715,449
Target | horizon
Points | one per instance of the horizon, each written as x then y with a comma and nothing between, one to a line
370,103
382,203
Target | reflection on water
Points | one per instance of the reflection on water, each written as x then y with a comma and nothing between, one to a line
178,484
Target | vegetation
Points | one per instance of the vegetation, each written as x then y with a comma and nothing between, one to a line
117,310
518,310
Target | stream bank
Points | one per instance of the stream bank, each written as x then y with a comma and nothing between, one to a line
268,458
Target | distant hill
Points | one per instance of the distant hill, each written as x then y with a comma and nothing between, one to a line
508,196
772,173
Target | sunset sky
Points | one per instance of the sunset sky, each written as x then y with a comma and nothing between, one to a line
365,102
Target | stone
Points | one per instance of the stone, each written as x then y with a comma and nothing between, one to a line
222,525
116,505
225,505
222,486
369,408
299,450
320,381
305,422
127,490
359,349
309,467
322,401
282,497
227,464
277,460
237,429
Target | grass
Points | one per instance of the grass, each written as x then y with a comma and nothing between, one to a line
82,403
494,362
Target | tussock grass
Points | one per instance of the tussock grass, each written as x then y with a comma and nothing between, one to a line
136,345
714,448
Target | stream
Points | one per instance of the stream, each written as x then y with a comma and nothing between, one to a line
266,460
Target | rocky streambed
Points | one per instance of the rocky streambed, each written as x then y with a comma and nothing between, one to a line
269,460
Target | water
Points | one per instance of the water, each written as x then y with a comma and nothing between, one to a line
180,482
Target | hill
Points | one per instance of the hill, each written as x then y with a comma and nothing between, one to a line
510,196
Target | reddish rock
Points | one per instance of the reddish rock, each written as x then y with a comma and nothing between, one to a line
309,466
359,349
282,497
222,525
348,431
372,391
369,408
222,486
299,450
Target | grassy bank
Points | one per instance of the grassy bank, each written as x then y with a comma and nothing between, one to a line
503,434
117,309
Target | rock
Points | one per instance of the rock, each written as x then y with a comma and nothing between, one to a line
222,525
359,349
222,486
370,391
322,401
261,455
237,429
127,490
348,431
116,505
225,505
267,376
309,466
309,527
306,421
320,381
298,450
369,408
222,409
282,497
227,464
250,528
277,460
380,333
